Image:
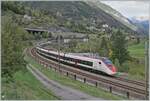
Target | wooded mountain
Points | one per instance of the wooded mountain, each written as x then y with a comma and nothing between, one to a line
143,25
85,15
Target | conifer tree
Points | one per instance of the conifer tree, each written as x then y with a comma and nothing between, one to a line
119,50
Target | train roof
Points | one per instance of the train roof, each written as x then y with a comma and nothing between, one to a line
89,55
74,55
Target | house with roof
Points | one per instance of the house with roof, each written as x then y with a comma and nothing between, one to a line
66,37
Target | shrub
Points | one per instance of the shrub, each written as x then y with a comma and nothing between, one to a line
123,68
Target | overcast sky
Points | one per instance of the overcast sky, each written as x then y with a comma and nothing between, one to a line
130,8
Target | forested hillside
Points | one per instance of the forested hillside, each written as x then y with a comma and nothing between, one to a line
79,16
17,83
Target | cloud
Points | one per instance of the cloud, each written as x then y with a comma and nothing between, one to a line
130,8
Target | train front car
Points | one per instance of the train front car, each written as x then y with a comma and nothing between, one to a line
109,67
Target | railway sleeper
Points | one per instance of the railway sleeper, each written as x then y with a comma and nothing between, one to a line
85,81
110,88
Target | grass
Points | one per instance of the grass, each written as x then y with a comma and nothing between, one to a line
134,70
137,50
91,90
137,70
25,87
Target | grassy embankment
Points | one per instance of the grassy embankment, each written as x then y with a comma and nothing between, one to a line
137,70
25,87
137,50
91,90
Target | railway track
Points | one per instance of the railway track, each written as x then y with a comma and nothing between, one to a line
140,83
127,85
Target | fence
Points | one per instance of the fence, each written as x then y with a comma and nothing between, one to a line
105,86
97,83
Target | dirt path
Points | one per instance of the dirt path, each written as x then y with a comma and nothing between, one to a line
61,91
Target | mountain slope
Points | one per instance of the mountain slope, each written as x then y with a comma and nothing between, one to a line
82,15
143,25
115,14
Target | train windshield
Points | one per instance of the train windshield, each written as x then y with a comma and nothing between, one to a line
108,62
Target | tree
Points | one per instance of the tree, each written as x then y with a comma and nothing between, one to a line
118,48
72,44
14,6
104,47
13,44
45,35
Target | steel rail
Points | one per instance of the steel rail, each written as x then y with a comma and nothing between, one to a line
124,86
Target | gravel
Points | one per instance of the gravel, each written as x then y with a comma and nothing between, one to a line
61,91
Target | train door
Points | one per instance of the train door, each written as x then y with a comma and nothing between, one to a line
95,65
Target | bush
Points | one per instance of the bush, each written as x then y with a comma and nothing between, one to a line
123,68
117,65
13,43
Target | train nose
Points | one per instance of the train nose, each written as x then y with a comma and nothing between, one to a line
114,69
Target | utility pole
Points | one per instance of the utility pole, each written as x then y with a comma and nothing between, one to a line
91,52
91,55
146,70
59,50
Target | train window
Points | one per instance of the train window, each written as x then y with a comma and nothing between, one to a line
48,53
106,61
85,62
70,59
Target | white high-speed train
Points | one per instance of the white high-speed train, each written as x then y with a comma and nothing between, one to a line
103,64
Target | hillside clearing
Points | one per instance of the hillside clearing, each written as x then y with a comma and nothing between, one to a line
137,50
